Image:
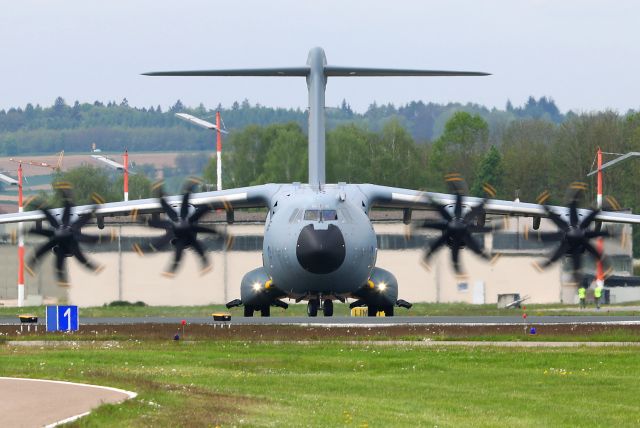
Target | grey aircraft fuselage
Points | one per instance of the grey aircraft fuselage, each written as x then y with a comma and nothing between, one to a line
319,242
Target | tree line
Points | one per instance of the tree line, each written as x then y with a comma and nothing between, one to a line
115,125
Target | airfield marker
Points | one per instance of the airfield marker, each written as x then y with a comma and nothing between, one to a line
218,152
600,242
126,174
20,243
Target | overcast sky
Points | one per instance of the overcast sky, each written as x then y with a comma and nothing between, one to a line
584,54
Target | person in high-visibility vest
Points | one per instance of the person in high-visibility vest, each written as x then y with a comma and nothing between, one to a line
582,295
597,294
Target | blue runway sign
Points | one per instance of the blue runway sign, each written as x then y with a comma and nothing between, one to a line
62,318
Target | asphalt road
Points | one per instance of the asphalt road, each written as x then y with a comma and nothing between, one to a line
348,321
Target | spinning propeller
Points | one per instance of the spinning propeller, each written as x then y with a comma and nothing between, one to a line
457,225
181,230
574,236
64,238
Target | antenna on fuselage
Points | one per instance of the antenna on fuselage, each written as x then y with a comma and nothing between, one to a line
316,73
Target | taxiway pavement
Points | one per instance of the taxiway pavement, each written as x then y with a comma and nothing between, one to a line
39,402
380,321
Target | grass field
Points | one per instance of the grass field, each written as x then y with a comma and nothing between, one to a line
332,384
419,309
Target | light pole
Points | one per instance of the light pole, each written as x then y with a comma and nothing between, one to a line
600,167
20,243
8,180
219,131
124,167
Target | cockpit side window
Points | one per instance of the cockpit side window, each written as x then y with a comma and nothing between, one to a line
312,215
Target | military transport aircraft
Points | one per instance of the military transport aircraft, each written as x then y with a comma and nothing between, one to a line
319,244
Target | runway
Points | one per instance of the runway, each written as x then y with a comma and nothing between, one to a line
364,321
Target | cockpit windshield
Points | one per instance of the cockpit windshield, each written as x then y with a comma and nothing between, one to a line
320,215
329,215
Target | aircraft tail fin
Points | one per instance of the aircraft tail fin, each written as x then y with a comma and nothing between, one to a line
316,73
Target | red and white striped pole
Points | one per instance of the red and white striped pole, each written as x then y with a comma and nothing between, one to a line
600,243
126,174
20,243
219,151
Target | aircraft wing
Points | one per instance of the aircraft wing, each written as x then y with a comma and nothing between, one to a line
242,197
394,197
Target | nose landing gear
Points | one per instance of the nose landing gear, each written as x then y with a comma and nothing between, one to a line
314,305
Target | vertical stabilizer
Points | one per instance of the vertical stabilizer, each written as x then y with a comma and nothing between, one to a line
316,83
316,72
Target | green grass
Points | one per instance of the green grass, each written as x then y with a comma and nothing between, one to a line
332,384
419,309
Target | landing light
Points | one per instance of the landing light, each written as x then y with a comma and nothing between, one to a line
256,286
382,286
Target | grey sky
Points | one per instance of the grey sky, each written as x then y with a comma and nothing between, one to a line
584,54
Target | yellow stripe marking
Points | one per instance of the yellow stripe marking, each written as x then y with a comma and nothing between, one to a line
542,198
489,189
97,198
536,266
494,259
425,265
137,249
229,242
29,270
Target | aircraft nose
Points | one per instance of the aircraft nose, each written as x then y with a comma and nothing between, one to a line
320,251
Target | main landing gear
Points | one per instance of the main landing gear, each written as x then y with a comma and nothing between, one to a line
372,310
314,305
265,310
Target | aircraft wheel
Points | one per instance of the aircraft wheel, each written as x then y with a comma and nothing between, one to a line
312,307
265,311
327,309
248,310
388,311
372,310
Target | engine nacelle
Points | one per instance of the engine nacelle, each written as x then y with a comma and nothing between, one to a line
382,290
385,285
256,289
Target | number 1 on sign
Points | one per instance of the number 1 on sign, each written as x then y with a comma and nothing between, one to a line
67,314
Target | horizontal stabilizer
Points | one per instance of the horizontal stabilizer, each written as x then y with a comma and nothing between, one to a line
329,70
282,71
381,72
